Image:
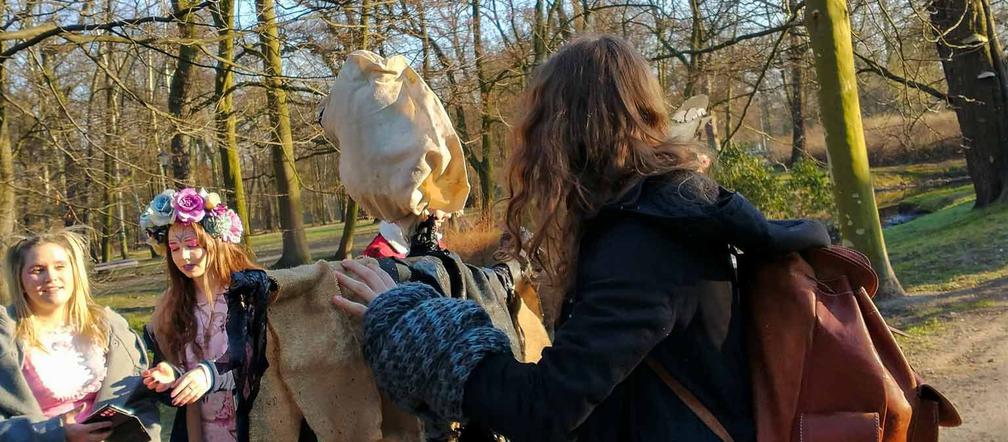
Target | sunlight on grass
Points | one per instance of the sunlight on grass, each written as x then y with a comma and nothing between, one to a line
939,199
953,248
916,174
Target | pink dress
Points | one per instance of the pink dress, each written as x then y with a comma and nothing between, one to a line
65,373
217,410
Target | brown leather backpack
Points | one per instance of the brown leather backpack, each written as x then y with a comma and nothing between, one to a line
824,364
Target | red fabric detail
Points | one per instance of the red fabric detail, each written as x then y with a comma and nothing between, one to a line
380,248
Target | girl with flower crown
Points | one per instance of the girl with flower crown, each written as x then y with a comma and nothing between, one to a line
208,328
62,356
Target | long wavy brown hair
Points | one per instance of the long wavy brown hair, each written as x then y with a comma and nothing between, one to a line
593,123
173,320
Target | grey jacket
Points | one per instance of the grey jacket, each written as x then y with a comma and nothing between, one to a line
21,418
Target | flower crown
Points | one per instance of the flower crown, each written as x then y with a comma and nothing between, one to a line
188,206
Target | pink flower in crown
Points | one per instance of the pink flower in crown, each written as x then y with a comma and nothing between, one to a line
234,233
188,206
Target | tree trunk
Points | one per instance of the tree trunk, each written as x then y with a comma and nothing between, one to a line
796,95
425,40
154,132
117,182
227,138
483,165
830,35
111,130
178,92
586,11
538,34
351,209
295,243
975,71
695,67
798,149
727,142
349,225
7,195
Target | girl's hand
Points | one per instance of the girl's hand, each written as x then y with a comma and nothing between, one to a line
159,378
371,285
190,387
75,432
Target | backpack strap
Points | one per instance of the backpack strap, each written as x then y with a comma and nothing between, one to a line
690,400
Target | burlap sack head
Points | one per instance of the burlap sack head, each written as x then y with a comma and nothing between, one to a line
399,155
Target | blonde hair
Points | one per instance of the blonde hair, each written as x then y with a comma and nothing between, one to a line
84,315
173,320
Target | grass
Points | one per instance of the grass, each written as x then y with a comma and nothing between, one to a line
932,320
955,247
898,185
893,177
938,199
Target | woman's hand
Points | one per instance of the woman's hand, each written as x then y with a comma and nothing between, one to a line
159,378
371,285
190,387
75,432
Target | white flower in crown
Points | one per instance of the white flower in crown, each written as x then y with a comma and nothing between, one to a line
211,200
160,211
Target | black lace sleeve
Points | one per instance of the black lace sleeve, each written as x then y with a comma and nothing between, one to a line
248,299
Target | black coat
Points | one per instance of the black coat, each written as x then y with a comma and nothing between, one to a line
655,277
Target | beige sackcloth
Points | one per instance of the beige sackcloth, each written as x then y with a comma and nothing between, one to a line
317,370
400,157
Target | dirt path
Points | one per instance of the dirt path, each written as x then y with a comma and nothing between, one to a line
959,344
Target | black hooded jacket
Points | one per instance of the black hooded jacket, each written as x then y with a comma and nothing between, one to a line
655,277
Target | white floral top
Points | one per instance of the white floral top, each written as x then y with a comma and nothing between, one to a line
65,373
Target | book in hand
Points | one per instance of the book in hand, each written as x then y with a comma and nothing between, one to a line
125,425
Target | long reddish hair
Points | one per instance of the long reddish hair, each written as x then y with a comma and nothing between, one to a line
173,320
592,123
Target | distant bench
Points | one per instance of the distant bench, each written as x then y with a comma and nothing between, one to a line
117,264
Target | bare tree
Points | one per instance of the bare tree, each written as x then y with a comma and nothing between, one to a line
227,138
181,82
975,70
7,194
295,243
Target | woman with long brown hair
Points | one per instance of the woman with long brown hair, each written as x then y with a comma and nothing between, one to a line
642,244
207,330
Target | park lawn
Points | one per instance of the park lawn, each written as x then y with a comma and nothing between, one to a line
953,248
909,175
942,198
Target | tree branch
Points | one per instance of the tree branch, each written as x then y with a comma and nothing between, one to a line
792,22
881,71
38,34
